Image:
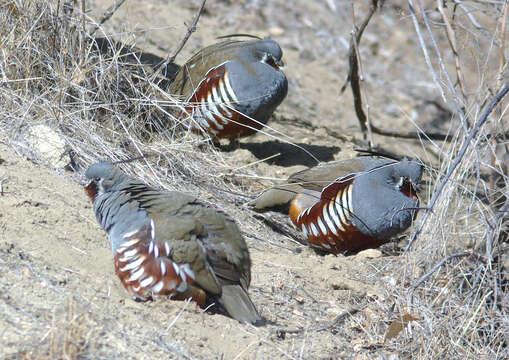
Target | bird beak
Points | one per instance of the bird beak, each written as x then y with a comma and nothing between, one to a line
280,64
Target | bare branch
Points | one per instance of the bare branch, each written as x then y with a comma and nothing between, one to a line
353,74
451,36
459,105
190,29
453,167
436,267
107,15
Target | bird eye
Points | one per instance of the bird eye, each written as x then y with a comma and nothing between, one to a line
97,179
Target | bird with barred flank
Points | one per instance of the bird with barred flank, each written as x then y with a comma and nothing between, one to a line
232,88
169,243
349,205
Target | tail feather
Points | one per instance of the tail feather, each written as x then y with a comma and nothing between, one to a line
275,199
239,306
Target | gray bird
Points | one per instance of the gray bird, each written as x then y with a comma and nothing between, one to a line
168,243
233,87
351,204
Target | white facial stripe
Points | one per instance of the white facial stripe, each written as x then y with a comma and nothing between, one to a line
156,251
151,247
137,274
147,282
158,287
163,268
229,88
167,248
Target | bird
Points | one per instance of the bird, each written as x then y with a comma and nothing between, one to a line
349,205
170,243
232,87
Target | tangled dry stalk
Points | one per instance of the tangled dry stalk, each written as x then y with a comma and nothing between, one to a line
106,101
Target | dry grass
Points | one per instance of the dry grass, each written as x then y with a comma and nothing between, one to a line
109,105
106,104
68,337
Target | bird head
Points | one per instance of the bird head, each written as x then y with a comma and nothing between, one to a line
102,176
269,52
407,175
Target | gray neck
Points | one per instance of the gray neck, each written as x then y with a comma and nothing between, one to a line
118,214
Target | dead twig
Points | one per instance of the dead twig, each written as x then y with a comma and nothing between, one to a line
190,29
456,162
411,134
107,15
354,80
451,37
2,193
502,34
281,333
441,63
293,235
338,319
436,267
353,74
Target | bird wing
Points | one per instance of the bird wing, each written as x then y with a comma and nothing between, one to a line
201,236
319,177
194,70
309,183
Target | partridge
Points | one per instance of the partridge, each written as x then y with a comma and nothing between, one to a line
349,205
169,243
232,87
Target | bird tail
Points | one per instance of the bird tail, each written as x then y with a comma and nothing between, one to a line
275,199
239,306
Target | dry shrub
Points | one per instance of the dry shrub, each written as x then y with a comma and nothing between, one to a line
455,276
69,337
105,98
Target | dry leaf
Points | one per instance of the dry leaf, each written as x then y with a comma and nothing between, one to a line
399,324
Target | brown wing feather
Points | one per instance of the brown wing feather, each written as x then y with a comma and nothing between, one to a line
318,177
211,56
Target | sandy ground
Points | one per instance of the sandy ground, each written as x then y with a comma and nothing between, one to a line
59,294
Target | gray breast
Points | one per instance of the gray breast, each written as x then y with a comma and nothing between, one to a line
118,215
